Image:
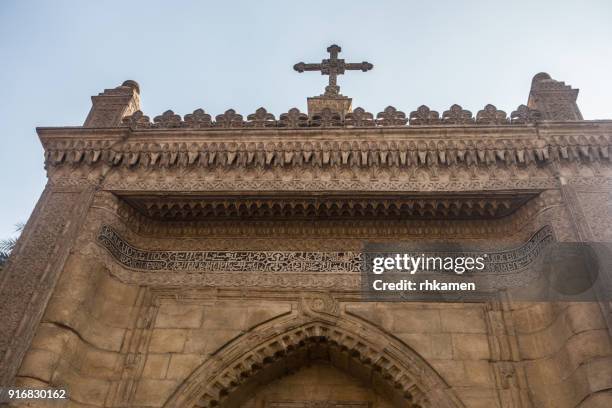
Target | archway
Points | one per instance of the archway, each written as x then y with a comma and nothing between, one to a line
391,363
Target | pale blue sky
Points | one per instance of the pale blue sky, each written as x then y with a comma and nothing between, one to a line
217,55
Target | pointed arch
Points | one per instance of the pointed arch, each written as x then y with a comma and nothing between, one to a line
400,367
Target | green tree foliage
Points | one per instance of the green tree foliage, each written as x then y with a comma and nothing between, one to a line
7,245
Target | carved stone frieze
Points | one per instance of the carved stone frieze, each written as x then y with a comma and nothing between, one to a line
207,261
284,269
347,153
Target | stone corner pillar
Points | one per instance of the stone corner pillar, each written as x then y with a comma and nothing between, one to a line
554,99
112,105
28,280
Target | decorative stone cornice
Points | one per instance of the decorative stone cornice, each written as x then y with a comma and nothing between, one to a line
362,148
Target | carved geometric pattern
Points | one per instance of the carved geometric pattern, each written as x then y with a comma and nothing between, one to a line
391,117
359,118
261,118
490,115
456,115
424,116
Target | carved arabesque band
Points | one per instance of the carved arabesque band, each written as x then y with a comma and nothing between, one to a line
307,270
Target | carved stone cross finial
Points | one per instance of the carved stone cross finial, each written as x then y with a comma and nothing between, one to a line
333,67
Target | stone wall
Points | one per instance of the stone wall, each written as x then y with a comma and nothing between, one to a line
113,342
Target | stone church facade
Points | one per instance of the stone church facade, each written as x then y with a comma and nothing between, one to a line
199,262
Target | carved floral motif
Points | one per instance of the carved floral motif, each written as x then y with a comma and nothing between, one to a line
490,115
359,118
524,114
456,115
168,120
137,120
424,116
198,119
261,118
230,119
293,119
391,117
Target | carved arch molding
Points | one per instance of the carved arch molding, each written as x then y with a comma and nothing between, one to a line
398,369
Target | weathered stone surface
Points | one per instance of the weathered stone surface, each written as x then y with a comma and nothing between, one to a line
168,340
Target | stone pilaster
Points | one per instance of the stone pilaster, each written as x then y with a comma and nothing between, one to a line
554,99
33,269
109,107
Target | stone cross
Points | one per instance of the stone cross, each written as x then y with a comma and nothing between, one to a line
333,67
